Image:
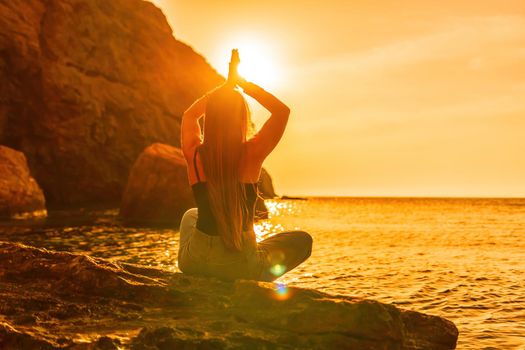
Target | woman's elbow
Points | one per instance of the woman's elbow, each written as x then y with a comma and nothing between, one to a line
284,112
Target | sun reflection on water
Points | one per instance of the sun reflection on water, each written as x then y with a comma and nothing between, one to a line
268,227
276,208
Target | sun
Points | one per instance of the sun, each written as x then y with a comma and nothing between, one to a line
258,61
257,64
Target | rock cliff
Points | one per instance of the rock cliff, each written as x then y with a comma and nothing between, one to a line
20,195
59,300
86,86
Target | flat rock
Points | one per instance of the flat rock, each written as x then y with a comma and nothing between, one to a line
20,195
74,300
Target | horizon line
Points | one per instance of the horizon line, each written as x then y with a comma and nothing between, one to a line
392,197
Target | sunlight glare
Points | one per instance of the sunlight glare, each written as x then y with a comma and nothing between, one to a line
258,61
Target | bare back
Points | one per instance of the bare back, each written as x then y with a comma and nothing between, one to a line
250,168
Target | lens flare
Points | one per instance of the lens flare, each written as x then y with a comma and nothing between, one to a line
277,269
281,291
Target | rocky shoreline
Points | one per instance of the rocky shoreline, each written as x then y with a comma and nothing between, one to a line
20,195
57,300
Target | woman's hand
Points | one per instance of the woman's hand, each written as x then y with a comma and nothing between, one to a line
233,74
234,78
197,109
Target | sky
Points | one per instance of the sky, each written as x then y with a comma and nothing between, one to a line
388,98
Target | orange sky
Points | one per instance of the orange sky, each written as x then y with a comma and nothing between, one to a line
388,98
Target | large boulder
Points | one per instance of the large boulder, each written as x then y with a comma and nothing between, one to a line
157,191
20,195
266,191
87,85
58,299
266,185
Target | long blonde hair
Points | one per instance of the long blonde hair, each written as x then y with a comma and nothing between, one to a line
225,128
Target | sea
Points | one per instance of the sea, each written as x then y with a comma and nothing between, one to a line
461,259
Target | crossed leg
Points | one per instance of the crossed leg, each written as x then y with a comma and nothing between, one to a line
283,252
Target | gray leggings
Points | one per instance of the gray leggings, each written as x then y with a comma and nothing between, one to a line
206,255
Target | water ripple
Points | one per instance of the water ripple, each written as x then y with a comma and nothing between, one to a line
463,259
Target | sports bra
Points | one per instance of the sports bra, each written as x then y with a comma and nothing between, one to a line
205,219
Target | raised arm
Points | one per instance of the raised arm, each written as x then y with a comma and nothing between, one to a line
190,128
263,143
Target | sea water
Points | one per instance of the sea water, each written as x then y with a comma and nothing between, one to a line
462,259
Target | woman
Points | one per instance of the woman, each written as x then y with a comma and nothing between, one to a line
217,238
